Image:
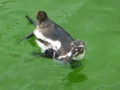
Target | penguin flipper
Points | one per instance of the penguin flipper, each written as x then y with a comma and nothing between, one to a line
49,53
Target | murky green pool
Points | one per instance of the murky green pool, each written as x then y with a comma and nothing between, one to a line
96,22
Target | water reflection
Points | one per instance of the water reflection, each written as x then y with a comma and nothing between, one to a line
74,77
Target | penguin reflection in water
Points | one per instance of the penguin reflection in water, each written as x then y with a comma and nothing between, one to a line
55,42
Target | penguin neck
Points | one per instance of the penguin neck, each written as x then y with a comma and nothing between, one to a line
43,24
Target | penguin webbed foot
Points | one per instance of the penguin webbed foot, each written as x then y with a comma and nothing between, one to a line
49,53
39,54
35,54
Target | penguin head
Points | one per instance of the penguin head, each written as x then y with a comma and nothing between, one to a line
77,47
41,15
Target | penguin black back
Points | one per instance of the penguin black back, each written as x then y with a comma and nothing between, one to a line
52,31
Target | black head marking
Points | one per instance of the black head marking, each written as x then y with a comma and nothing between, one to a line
44,42
76,43
77,47
41,15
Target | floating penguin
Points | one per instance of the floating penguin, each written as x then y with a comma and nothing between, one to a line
54,41
77,52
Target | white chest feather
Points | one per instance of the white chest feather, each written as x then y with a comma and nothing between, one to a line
52,44
80,56
69,54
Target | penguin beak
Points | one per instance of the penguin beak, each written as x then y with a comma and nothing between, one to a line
28,36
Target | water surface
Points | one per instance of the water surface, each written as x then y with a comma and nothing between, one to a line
96,22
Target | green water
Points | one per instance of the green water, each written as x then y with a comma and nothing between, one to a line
96,22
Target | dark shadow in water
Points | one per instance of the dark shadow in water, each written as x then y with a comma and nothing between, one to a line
75,77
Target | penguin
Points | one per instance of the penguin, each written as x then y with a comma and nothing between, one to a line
54,41
76,52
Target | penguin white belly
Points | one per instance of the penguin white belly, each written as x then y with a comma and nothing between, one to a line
80,56
52,44
42,46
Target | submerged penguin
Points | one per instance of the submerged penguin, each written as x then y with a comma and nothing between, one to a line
54,41
77,52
